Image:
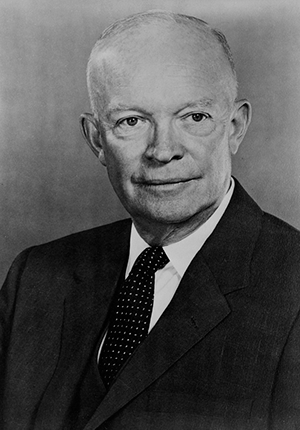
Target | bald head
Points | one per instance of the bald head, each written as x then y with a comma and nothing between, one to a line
159,37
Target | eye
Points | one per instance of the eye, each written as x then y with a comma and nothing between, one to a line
131,121
197,123
197,117
130,126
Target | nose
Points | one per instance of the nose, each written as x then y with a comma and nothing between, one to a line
164,145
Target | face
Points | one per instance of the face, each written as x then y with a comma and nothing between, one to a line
166,127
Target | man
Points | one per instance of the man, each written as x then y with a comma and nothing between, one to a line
204,331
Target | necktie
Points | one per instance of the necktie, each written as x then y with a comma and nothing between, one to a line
131,316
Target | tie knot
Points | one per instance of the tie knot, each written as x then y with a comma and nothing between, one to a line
152,258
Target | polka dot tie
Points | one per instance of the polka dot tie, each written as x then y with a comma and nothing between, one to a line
131,316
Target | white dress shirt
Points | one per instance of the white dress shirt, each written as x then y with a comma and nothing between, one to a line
180,255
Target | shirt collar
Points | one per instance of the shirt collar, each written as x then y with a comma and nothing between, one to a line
181,253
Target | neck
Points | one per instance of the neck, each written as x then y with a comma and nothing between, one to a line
157,233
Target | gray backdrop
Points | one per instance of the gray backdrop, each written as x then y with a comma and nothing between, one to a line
50,182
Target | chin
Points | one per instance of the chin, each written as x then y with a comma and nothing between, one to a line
173,216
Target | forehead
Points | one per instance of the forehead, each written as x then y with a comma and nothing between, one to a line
165,62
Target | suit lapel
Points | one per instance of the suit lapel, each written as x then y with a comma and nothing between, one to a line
199,305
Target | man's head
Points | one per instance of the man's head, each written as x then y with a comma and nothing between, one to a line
165,119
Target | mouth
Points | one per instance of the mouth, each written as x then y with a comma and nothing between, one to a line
172,184
171,181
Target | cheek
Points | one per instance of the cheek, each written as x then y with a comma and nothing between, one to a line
123,154
209,152
221,167
120,165
215,156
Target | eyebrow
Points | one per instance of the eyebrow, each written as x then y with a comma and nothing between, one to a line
202,103
120,108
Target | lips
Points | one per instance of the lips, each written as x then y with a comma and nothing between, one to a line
167,181
166,187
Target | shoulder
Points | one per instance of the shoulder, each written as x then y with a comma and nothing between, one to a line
272,247
278,248
272,233
87,239
66,253
276,263
279,236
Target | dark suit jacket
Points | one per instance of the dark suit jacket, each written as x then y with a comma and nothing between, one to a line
224,355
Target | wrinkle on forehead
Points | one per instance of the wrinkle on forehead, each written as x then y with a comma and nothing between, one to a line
173,53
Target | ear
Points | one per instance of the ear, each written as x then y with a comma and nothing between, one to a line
240,121
89,129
